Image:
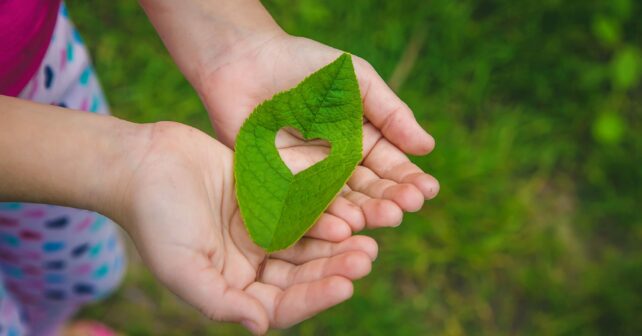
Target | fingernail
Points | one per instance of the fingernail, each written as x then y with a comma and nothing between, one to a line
251,326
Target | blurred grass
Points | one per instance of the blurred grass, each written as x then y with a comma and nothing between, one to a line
536,109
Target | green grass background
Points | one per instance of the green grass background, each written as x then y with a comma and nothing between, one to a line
537,113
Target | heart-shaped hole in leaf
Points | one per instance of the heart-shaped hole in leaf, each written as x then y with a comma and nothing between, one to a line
299,153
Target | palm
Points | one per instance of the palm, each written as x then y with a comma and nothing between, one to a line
189,232
385,184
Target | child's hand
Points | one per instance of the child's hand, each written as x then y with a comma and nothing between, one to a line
386,183
171,187
236,56
181,211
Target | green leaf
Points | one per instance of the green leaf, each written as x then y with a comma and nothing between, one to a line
277,206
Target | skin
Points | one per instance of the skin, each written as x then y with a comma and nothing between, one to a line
171,187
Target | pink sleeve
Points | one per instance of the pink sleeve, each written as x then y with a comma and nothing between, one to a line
26,27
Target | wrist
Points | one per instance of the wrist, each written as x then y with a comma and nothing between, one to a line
123,147
199,34
59,156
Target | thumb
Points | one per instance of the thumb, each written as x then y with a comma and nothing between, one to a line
389,113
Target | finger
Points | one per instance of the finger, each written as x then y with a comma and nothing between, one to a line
308,249
388,113
406,195
352,265
408,172
391,163
349,212
371,136
377,212
301,301
204,287
387,161
331,228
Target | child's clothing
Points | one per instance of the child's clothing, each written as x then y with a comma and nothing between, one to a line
55,259
26,27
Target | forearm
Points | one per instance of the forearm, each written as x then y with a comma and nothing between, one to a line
59,156
198,32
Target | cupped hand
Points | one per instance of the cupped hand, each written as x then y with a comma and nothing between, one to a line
179,206
385,184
